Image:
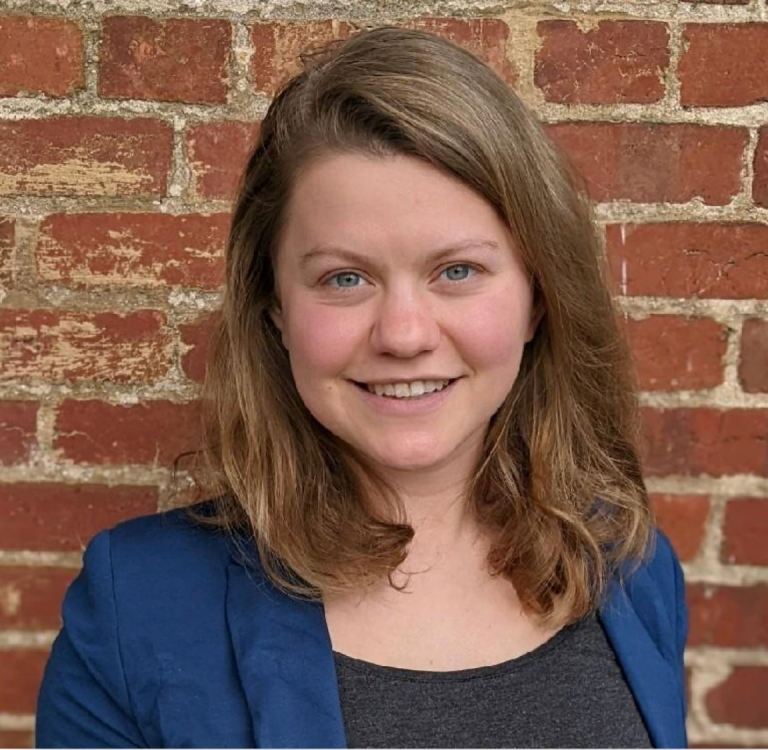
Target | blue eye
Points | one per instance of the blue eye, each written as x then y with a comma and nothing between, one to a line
458,271
347,280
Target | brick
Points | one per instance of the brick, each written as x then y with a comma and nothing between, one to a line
705,441
22,673
741,699
277,46
672,352
7,252
218,153
152,432
655,163
197,336
612,62
31,597
723,65
40,56
142,249
753,362
172,60
728,616
486,38
16,738
744,531
64,517
683,259
84,156
683,518
760,182
18,430
59,346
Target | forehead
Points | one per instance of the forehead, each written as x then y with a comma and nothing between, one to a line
394,205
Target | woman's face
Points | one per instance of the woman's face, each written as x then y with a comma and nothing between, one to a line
390,272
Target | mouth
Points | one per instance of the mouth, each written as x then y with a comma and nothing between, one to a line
365,387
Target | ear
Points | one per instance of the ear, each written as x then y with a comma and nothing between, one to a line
537,313
276,316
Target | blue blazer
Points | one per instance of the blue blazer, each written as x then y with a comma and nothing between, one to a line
170,640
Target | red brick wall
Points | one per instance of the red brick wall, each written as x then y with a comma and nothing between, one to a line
121,138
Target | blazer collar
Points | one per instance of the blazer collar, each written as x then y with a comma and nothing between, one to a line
285,662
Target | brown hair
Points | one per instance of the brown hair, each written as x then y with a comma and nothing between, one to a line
559,485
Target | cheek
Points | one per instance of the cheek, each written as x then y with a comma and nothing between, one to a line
321,341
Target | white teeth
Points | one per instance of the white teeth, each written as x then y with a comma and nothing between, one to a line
408,390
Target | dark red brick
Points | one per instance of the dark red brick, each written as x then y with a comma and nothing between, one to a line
136,249
64,517
744,531
741,699
22,673
197,335
611,62
683,518
151,432
18,430
760,182
173,59
84,156
684,259
16,738
723,65
40,56
672,352
7,252
728,616
705,441
753,362
655,163
55,345
31,597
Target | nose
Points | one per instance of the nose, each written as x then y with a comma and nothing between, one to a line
405,325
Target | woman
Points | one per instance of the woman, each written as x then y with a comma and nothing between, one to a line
429,526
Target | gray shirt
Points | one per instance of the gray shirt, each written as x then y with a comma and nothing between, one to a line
568,692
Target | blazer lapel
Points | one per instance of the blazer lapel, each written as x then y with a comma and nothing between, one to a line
651,677
285,662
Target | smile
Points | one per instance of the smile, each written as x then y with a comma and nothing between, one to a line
412,389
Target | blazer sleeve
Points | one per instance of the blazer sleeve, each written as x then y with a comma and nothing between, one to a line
681,621
84,699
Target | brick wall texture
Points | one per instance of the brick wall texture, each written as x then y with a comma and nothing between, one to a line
123,127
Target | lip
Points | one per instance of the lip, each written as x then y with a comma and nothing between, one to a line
405,406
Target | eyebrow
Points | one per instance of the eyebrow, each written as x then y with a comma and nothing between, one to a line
320,251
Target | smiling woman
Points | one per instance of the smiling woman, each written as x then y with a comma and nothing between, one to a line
420,432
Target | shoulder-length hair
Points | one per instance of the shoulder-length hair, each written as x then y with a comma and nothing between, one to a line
559,486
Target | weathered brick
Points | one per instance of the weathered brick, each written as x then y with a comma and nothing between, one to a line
133,249
18,430
741,699
277,46
753,362
54,345
7,252
705,441
31,597
684,259
152,432
17,738
40,56
728,616
672,352
614,61
218,152
84,156
63,517
760,182
197,335
174,59
744,531
683,518
723,65
654,163
22,673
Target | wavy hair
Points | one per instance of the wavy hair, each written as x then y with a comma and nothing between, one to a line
558,486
